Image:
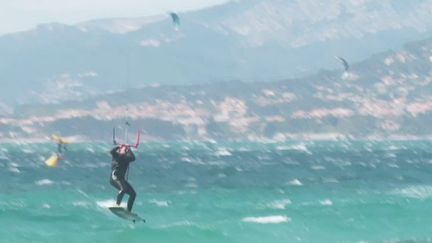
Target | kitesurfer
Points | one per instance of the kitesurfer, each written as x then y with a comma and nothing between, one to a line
175,19
122,155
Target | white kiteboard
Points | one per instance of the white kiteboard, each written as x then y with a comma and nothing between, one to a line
125,214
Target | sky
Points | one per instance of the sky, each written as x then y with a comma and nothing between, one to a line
19,15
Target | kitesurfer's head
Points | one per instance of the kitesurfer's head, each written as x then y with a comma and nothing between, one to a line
123,149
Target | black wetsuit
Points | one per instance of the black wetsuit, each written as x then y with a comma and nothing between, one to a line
119,167
61,147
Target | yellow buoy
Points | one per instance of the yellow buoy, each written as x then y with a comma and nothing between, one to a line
52,161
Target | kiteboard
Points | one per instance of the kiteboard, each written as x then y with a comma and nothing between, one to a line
52,161
125,214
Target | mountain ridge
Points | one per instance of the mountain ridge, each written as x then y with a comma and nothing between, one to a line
241,40
387,96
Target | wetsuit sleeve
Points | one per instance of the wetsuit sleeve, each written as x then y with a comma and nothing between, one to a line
130,156
113,152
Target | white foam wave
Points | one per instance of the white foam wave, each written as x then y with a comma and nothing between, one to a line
291,163
91,150
295,182
41,158
243,149
159,203
82,193
12,204
108,203
297,147
393,165
13,164
222,152
14,170
341,163
192,161
318,167
283,147
393,147
326,202
44,182
419,192
81,204
279,204
277,219
27,151
186,159
216,163
95,165
180,223
191,185
390,155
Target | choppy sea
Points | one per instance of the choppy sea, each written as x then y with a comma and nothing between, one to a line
358,191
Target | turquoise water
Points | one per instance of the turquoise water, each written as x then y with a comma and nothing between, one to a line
233,192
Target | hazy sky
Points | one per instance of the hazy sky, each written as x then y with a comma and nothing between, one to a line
17,15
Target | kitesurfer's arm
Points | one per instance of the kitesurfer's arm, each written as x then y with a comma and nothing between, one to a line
113,152
130,155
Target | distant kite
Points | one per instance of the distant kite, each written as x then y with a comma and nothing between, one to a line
175,19
344,62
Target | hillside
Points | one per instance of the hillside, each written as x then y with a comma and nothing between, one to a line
253,40
387,95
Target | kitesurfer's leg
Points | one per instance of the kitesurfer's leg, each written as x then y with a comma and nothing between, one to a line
132,194
124,187
121,186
